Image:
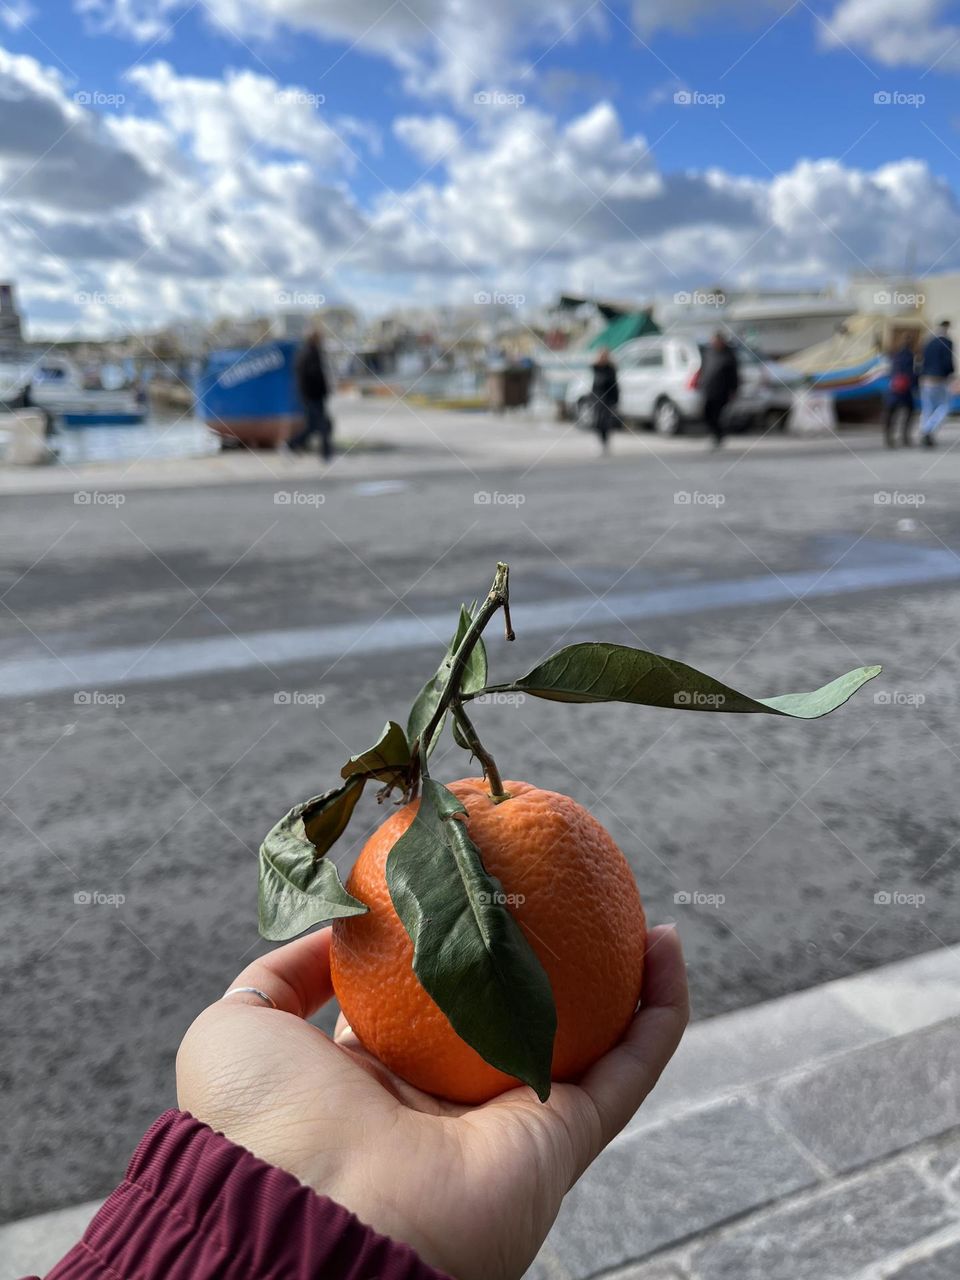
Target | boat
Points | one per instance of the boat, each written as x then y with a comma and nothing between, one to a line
853,367
56,385
249,397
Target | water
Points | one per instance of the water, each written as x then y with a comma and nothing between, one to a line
158,437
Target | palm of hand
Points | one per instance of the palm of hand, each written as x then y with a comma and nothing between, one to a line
473,1189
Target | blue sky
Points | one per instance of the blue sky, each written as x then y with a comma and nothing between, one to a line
259,147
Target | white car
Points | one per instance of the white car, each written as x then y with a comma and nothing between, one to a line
659,381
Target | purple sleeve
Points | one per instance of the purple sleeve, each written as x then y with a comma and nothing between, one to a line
194,1206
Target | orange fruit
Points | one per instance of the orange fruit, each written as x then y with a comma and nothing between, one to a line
572,893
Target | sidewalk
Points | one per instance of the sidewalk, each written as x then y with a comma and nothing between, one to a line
816,1137
393,439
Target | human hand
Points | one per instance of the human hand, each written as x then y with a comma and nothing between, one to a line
473,1189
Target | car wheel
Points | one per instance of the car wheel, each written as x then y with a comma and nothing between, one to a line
775,419
666,418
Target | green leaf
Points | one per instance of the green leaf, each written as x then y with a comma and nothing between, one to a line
615,673
473,680
299,887
388,761
470,955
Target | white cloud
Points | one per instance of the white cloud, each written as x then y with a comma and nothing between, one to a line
431,138
55,153
223,120
440,46
15,14
897,34
219,202
650,16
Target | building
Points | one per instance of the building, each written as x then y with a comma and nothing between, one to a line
11,328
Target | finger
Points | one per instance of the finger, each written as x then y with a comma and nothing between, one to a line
295,977
619,1082
343,1033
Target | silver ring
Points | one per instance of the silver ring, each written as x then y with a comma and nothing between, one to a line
251,991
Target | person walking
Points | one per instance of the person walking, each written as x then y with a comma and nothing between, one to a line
901,399
935,374
313,388
719,381
606,397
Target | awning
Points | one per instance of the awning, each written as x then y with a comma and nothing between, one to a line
639,324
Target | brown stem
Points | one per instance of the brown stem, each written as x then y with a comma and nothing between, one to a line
497,598
490,770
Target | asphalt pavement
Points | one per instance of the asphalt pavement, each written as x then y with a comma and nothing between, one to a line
182,666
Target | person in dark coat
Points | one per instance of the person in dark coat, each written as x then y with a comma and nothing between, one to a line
606,397
901,395
935,374
719,383
313,387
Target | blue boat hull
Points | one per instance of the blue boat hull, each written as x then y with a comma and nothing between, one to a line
251,396
76,421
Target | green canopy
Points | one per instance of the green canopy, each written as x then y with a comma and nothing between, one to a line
636,324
